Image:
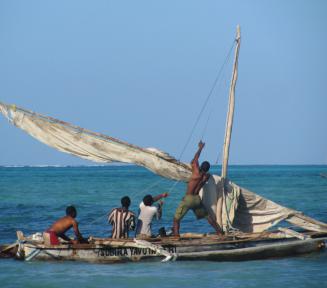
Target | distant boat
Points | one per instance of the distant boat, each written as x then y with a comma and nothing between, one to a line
244,216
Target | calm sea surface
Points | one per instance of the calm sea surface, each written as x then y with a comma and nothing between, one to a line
32,198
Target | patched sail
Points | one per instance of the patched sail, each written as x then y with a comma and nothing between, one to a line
256,214
246,210
93,146
250,212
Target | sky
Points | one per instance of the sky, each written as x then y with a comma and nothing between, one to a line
140,71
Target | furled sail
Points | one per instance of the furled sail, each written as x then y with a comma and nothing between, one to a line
247,211
256,214
93,146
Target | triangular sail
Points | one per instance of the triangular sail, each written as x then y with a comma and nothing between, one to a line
251,213
93,146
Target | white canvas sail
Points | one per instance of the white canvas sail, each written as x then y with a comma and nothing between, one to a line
93,146
249,212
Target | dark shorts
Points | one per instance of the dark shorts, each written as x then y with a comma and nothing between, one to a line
194,203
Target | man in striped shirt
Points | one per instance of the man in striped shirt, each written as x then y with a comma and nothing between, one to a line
122,220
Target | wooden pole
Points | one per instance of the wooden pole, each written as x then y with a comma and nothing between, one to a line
230,114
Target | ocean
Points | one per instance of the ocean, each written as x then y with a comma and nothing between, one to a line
32,198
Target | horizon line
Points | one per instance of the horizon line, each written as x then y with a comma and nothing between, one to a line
133,165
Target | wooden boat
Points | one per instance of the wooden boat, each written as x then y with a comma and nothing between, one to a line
8,250
234,208
235,247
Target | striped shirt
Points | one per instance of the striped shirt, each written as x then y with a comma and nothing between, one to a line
122,221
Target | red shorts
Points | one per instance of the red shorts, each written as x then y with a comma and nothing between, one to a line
53,238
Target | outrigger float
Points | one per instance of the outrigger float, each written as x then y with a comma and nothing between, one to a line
244,216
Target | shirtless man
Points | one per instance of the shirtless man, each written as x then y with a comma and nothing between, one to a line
59,228
192,199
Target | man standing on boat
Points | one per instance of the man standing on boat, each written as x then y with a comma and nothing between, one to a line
122,220
192,199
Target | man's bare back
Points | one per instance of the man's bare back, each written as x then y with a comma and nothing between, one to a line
196,183
199,177
64,224
61,226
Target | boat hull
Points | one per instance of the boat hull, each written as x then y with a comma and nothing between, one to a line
130,252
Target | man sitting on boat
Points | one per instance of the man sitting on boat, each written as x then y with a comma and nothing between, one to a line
192,199
59,228
122,220
147,212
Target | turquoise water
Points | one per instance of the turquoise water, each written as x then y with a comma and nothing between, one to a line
31,198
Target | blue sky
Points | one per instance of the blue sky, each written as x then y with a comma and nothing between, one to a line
141,70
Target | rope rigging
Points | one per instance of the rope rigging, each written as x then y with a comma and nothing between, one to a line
214,85
207,99
216,82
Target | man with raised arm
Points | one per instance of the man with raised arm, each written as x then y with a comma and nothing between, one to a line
147,213
192,199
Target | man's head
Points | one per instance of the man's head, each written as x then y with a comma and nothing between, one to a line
71,211
205,166
125,202
148,200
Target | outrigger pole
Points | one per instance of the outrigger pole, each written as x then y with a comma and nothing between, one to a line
230,114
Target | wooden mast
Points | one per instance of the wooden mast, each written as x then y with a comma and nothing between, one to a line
230,114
